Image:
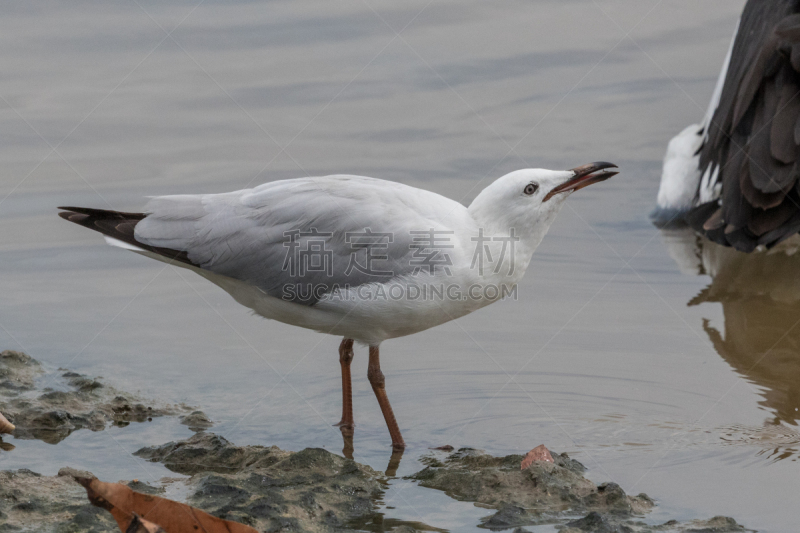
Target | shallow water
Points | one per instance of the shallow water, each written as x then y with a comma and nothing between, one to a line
601,356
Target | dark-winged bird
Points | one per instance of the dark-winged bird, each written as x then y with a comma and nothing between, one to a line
735,177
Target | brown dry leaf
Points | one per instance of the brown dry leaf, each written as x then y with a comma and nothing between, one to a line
140,525
540,453
5,425
125,504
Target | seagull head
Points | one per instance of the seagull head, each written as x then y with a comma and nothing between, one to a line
529,199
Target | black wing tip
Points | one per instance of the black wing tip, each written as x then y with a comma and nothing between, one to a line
118,225
102,213
67,211
71,215
81,210
78,215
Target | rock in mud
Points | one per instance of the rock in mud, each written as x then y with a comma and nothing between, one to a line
71,402
597,523
31,502
546,493
544,487
718,524
208,452
197,421
17,371
271,489
540,453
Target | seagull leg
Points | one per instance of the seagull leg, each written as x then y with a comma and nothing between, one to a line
345,358
378,383
348,449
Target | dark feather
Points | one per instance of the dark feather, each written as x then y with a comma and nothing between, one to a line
118,225
762,164
782,233
736,211
788,29
782,143
755,197
794,58
104,213
766,220
742,240
797,131
753,139
718,236
765,66
698,216
715,221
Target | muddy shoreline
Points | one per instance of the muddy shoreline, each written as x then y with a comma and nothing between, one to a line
272,489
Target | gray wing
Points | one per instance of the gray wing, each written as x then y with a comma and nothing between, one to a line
753,140
299,239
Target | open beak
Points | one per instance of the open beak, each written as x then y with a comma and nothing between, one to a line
584,176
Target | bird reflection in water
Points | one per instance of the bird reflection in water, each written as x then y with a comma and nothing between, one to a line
760,297
347,451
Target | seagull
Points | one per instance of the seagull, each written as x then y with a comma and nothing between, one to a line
357,257
735,177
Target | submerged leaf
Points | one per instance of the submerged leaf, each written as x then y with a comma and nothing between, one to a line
5,425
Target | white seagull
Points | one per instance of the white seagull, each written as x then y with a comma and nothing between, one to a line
358,257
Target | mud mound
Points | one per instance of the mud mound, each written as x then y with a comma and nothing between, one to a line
70,401
546,493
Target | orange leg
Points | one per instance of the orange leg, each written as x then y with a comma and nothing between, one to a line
345,358
378,383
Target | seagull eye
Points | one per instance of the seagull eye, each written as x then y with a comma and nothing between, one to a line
531,188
